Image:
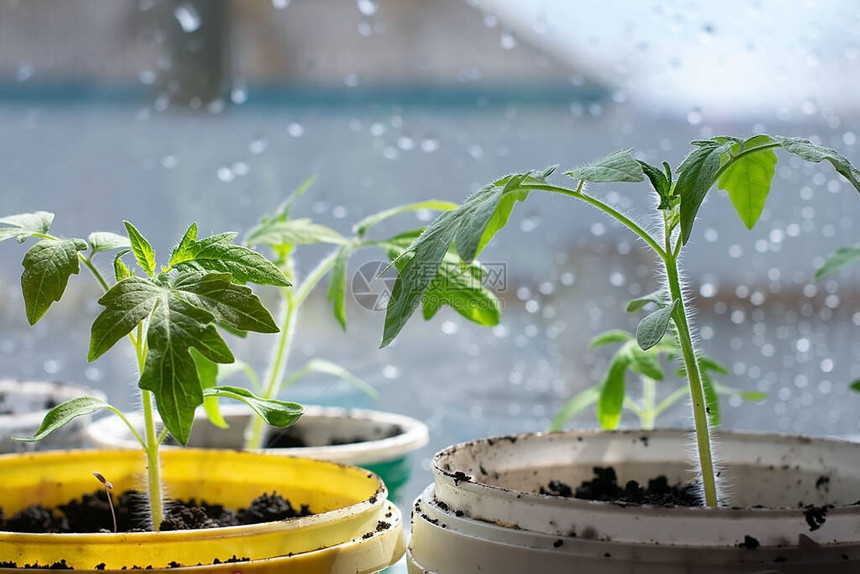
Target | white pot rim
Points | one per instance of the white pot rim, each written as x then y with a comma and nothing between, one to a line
108,432
555,515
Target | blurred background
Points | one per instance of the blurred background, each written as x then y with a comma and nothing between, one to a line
165,112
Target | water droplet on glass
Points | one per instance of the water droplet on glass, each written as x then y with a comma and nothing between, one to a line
365,30
808,107
849,138
390,152
93,374
429,145
295,130
225,174
258,146
707,34
507,40
406,143
147,77
188,17
51,366
169,162
239,95
617,279
390,372
694,116
241,168
280,4
449,327
216,106
24,72
368,7
567,278
351,80
476,151
490,20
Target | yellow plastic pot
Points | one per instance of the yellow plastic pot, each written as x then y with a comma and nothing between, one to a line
349,503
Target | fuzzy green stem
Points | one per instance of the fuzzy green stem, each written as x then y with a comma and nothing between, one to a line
697,391
649,394
293,301
153,467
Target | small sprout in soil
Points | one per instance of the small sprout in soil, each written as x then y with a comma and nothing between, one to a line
108,489
743,167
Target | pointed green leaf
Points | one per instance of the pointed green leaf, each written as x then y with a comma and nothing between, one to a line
106,241
362,226
293,232
25,225
207,372
660,182
336,293
612,389
609,337
47,268
707,364
236,306
657,297
276,413
180,252
652,328
619,166
695,178
283,211
855,386
841,258
578,403
169,372
748,180
811,152
246,266
64,413
470,227
328,368
126,304
120,269
752,396
645,363
143,251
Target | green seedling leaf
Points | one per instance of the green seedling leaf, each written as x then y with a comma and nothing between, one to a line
609,337
574,406
283,212
180,253
644,363
612,390
322,367
810,152
120,269
855,386
207,372
362,226
276,413
748,179
235,306
336,293
143,252
660,182
64,413
25,225
695,178
657,297
47,268
216,253
469,228
651,329
619,166
106,241
752,396
840,259
126,304
169,371
293,232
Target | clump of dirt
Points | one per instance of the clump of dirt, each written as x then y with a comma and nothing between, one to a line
604,487
816,516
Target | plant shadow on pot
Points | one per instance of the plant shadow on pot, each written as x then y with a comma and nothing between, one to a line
354,527
377,441
796,512
23,405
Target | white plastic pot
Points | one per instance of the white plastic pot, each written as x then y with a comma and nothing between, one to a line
484,511
23,405
378,441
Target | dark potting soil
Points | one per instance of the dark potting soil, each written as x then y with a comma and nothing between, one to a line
91,513
604,487
292,437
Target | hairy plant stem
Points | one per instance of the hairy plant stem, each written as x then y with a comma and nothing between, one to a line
679,318
293,301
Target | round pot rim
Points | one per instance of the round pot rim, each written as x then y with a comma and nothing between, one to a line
475,486
34,418
415,435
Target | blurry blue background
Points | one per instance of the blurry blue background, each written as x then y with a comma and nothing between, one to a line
168,112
